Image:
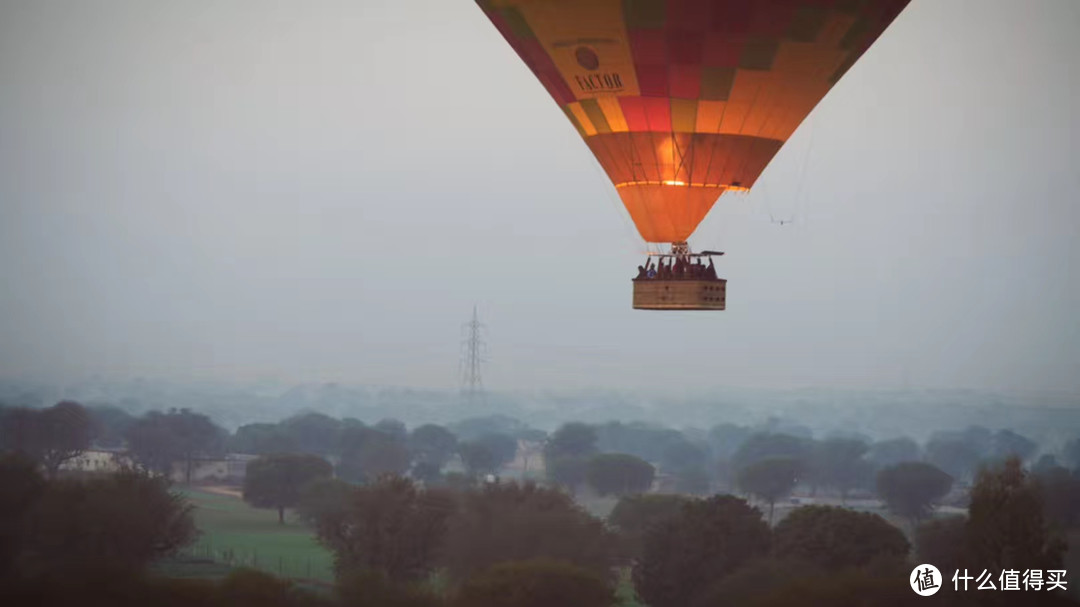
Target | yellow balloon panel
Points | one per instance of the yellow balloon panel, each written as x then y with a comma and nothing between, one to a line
681,100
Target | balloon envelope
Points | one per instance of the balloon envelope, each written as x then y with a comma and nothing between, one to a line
682,100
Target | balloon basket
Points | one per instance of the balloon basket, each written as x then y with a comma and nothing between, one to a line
679,294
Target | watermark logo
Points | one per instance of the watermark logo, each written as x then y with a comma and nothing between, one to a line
925,580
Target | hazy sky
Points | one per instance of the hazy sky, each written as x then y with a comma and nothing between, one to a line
322,190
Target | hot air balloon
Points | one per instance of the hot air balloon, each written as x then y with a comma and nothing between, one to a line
683,100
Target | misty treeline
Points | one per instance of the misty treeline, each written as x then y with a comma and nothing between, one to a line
93,539
433,515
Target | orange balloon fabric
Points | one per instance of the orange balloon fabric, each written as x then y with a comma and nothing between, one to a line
682,100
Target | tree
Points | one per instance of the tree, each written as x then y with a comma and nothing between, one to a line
367,454
1071,454
49,436
838,463
276,481
262,439
537,583
511,522
567,471
619,474
503,448
912,489
944,543
1007,527
836,538
127,519
682,455
707,541
373,589
432,444
1060,494
634,515
764,446
390,528
893,451
571,440
1008,443
158,440
770,479
394,427
23,486
477,458
324,501
313,432
952,455
725,439
111,424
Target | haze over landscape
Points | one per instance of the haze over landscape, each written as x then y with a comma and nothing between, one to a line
237,191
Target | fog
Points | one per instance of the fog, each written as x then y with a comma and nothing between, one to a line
322,191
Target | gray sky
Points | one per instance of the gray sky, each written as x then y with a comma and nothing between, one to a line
322,191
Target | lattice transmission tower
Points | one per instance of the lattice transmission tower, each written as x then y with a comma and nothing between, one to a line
473,350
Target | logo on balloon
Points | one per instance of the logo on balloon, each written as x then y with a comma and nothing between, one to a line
586,58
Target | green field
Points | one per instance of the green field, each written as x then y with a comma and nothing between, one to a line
235,534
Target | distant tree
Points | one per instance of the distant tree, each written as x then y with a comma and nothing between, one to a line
979,439
682,455
836,538
503,448
568,472
111,424
432,444
478,458
725,439
313,433
390,528
571,440
954,456
536,583
707,541
49,436
619,474
510,522
277,481
911,489
646,441
693,480
158,440
427,473
394,427
770,479
125,520
475,427
838,463
262,439
771,446
1071,454
894,451
634,515
370,454
1007,526
1008,443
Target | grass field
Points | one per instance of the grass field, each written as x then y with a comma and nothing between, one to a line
235,534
